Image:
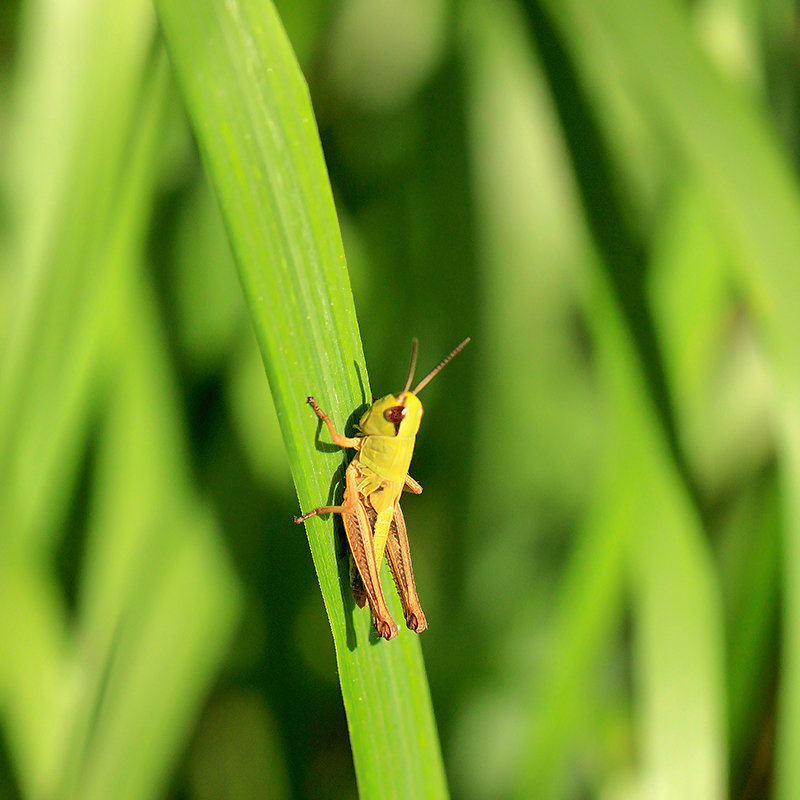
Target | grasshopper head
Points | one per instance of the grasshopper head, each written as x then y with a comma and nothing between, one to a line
400,414
394,415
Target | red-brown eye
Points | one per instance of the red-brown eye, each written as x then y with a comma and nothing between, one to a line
395,415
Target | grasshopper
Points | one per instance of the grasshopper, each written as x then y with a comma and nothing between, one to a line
374,480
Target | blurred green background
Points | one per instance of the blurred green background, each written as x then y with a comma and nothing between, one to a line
604,196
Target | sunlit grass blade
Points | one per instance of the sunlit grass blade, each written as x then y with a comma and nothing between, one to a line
531,260
642,517
68,137
156,574
754,199
250,109
48,360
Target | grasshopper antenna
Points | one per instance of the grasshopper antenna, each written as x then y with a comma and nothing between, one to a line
439,367
413,368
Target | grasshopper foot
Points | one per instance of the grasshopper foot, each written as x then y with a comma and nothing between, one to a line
386,629
416,622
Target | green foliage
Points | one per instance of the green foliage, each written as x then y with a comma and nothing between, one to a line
234,63
602,194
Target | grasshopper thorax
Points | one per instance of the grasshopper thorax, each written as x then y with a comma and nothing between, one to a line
396,415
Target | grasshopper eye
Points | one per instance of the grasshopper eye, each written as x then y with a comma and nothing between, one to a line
395,415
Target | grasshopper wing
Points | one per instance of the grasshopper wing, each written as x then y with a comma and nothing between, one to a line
399,557
359,537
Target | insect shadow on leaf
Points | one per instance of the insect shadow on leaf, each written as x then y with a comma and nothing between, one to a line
335,495
352,419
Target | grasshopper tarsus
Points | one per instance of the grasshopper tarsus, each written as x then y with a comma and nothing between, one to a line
385,630
412,486
416,623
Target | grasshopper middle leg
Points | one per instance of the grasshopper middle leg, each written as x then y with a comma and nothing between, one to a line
320,510
359,537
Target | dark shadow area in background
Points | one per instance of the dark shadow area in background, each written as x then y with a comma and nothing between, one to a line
271,556
624,256
441,264
10,34
70,544
8,789
753,605
336,497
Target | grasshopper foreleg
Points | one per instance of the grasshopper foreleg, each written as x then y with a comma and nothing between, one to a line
338,439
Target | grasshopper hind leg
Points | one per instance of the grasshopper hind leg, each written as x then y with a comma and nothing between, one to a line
359,537
364,571
357,585
399,557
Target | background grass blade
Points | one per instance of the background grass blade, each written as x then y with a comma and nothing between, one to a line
724,139
49,361
642,528
80,683
79,690
604,195
156,572
59,251
252,116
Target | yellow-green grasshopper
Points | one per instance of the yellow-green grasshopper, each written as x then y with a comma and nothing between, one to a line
374,480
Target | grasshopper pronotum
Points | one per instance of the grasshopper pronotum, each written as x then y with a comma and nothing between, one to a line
374,480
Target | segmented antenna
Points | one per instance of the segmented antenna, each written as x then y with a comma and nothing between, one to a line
439,367
412,369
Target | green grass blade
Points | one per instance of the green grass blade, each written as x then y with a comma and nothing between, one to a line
679,644
525,223
58,283
642,518
156,573
250,109
76,700
64,263
754,199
